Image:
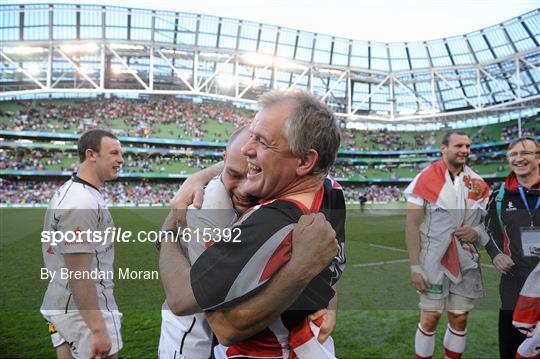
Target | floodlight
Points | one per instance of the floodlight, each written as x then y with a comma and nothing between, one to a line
77,48
126,47
175,52
216,56
257,59
226,80
288,65
330,72
23,50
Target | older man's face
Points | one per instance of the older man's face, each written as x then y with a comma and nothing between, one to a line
271,165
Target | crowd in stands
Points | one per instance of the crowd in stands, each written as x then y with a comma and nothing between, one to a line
155,193
43,160
31,160
168,117
141,117
509,133
117,192
384,140
58,160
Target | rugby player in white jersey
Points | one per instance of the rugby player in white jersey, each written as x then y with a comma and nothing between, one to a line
190,336
84,321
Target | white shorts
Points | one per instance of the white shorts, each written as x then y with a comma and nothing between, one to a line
70,328
454,303
186,336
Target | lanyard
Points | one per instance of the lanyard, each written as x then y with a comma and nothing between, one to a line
524,199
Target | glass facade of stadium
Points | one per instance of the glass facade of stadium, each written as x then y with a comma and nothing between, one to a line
485,76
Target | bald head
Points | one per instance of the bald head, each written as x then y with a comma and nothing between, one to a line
234,172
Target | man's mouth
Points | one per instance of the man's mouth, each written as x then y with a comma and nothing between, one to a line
242,201
520,165
253,170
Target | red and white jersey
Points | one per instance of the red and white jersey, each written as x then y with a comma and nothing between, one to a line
449,204
229,272
527,315
76,207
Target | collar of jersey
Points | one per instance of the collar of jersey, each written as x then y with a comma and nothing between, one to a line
78,179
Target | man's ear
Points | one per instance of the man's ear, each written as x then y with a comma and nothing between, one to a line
225,156
307,162
443,149
89,155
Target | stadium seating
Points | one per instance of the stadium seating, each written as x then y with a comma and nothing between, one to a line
185,120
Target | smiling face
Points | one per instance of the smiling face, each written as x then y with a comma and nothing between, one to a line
234,173
524,159
456,153
108,160
271,164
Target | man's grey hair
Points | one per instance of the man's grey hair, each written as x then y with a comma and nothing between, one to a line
311,125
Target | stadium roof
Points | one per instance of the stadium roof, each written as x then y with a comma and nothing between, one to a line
101,49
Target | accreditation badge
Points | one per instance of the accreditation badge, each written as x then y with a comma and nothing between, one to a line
530,241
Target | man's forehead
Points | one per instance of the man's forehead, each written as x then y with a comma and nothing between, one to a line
271,119
525,145
458,139
110,142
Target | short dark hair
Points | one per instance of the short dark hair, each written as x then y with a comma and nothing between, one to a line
91,139
523,139
446,138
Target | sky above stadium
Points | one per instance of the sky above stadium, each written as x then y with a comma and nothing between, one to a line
381,20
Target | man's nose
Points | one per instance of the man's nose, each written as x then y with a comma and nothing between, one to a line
247,149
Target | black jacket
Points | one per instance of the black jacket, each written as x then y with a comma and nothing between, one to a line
514,216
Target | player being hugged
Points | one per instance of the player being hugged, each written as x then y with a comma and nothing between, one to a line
84,321
224,201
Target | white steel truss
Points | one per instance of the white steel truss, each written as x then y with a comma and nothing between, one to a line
355,94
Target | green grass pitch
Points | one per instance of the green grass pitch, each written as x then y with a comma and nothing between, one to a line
377,316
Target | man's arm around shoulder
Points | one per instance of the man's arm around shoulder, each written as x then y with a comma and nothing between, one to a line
314,247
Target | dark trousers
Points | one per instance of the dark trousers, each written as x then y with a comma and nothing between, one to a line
509,337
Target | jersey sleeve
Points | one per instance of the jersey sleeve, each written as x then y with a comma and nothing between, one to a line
492,225
414,199
236,268
79,228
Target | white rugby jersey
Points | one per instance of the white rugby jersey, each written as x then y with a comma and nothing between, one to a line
78,206
191,334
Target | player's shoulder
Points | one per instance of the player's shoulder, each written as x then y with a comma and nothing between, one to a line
270,214
76,195
216,195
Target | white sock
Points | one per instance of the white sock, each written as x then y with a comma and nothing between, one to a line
454,343
424,343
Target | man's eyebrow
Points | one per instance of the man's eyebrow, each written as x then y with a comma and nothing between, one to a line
233,171
260,135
